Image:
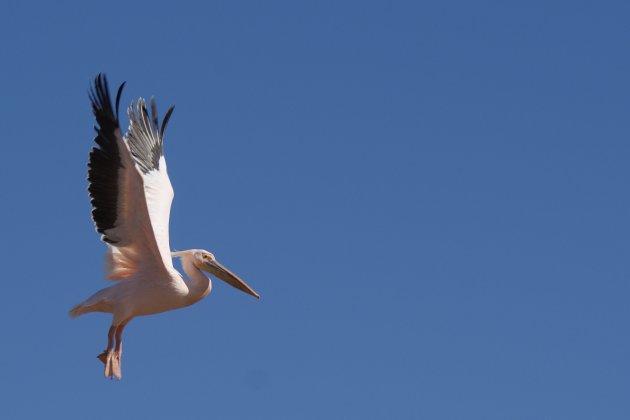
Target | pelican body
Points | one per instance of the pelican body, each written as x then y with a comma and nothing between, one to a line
131,197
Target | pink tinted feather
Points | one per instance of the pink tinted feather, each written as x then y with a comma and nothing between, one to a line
119,266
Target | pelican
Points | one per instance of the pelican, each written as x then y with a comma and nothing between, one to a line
131,197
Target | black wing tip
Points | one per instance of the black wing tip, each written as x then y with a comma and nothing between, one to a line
104,158
154,115
118,94
155,126
100,98
167,116
145,138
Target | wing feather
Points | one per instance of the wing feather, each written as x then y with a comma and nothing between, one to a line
146,143
116,187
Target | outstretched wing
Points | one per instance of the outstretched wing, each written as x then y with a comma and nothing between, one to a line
146,142
117,190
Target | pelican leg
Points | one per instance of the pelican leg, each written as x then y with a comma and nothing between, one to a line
117,355
106,356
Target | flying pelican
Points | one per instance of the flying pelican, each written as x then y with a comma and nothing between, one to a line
131,197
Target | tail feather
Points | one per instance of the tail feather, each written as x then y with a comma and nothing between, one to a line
98,302
89,306
77,310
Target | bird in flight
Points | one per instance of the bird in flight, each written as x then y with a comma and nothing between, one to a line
131,197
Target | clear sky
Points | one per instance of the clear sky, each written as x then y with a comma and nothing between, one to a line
431,198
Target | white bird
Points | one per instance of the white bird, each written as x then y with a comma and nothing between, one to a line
131,197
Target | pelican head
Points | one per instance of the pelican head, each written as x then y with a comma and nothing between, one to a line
207,262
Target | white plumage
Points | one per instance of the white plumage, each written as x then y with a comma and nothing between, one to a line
131,195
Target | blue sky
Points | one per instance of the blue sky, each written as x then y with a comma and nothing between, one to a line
431,198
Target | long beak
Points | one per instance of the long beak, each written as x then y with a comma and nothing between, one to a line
217,270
